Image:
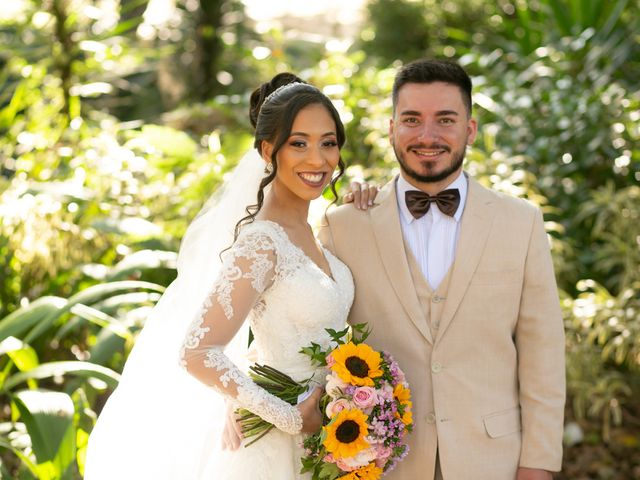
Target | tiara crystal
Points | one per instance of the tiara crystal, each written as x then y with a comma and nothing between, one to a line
278,91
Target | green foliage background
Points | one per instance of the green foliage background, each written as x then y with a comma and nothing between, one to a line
113,131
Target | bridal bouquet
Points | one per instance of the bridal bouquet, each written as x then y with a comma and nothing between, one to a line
367,408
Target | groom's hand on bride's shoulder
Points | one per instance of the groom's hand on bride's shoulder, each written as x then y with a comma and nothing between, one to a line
361,194
310,412
533,474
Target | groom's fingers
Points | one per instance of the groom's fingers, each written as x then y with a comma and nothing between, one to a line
361,195
368,194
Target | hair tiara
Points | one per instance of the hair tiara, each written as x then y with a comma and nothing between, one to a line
279,90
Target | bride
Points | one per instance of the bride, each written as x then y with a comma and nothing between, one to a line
164,421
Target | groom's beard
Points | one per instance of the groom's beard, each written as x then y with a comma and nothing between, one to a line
458,159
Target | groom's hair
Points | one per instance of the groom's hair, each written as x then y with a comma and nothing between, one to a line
429,71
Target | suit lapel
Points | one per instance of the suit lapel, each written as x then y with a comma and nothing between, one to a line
385,220
474,231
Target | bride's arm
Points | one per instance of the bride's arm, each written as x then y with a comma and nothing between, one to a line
248,269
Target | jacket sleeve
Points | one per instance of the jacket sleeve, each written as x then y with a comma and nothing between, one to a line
541,360
325,236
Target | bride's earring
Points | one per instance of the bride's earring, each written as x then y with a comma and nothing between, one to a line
268,168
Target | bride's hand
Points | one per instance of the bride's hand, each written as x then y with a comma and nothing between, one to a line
232,434
361,195
310,411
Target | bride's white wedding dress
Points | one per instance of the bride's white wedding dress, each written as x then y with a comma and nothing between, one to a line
288,301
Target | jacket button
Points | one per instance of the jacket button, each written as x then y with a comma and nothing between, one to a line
437,299
436,367
431,418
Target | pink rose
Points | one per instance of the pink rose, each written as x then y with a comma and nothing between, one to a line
365,397
336,406
382,455
380,462
383,452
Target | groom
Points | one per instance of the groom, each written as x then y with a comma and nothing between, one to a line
457,283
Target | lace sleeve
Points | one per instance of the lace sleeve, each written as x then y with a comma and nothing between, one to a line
248,269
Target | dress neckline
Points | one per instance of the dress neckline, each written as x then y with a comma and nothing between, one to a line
325,252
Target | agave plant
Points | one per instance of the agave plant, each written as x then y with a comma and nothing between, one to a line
50,403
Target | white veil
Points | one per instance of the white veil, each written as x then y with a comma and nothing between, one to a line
160,423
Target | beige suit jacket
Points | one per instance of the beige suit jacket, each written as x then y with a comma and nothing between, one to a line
489,389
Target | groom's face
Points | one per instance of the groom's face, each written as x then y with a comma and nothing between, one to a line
429,132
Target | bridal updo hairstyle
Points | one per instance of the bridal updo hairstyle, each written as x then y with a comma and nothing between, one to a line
274,106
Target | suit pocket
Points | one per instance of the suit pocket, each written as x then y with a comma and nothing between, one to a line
502,423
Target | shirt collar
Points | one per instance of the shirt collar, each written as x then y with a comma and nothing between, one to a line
402,186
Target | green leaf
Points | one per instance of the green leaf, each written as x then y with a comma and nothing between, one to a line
173,143
143,260
337,336
48,417
89,296
102,319
107,345
360,332
26,461
82,441
329,471
24,318
8,114
561,16
24,356
316,354
53,369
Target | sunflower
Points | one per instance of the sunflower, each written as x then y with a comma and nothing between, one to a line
345,434
356,364
406,417
368,472
403,395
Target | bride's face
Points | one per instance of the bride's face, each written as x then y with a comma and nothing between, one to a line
308,158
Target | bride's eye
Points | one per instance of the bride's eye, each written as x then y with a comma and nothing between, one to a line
297,143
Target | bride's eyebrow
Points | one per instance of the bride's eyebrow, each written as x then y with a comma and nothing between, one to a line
303,134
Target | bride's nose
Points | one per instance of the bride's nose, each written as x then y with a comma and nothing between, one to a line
316,157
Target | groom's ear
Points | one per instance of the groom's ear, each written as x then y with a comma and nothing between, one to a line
391,130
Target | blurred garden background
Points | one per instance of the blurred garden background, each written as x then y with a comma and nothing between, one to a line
118,118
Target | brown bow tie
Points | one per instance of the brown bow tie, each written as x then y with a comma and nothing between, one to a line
419,202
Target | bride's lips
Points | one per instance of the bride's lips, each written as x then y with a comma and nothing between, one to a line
313,179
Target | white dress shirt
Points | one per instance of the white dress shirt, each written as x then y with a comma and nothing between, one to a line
432,238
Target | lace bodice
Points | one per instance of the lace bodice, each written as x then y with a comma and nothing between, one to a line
288,300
